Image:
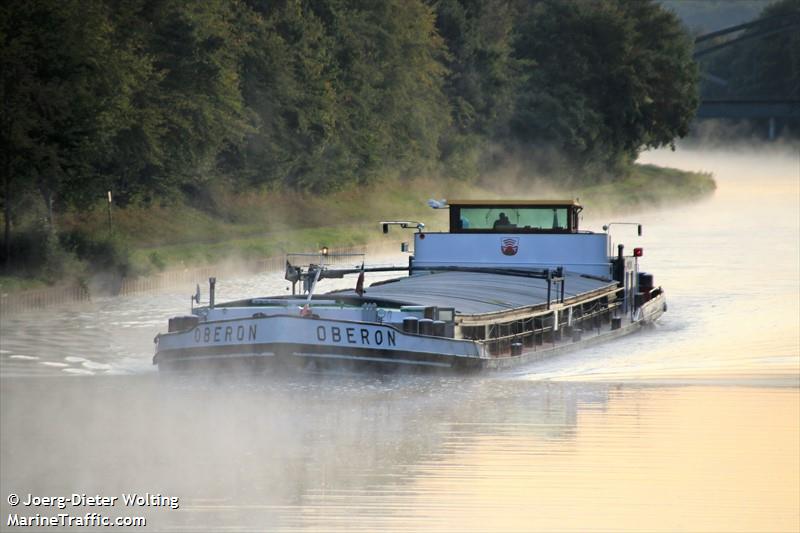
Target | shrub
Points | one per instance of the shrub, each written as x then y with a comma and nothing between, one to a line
157,260
109,253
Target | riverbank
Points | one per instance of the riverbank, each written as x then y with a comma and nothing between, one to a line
227,226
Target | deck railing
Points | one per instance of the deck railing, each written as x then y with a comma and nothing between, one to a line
538,328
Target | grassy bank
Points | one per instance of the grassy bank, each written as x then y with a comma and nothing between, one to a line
650,186
225,225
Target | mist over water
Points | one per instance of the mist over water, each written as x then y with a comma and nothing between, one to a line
731,269
690,425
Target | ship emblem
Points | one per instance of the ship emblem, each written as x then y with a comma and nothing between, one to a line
509,246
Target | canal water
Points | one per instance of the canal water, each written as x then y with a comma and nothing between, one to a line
693,425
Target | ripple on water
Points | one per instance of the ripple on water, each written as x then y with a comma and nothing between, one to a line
96,366
53,364
79,371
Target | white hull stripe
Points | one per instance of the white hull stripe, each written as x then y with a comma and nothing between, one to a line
373,359
218,356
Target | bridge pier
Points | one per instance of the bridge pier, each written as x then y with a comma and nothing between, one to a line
769,110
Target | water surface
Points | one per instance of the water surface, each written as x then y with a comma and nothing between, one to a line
691,425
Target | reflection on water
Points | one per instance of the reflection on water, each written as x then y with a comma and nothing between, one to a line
692,425
458,454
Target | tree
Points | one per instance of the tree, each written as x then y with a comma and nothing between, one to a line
190,106
389,83
15,127
482,78
287,83
61,94
610,78
343,91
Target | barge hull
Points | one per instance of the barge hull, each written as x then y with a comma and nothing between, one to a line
652,311
414,353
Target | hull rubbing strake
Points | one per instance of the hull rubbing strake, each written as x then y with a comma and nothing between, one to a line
372,359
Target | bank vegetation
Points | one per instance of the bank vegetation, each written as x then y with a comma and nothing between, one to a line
276,123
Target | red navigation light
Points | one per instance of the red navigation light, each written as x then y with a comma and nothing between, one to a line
638,252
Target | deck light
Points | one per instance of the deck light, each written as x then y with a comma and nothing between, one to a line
638,252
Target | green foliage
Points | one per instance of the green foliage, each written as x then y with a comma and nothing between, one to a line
107,253
157,260
647,186
151,97
30,249
483,79
185,110
56,97
609,78
39,255
167,102
342,91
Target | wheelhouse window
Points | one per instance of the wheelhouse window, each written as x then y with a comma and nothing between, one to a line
513,218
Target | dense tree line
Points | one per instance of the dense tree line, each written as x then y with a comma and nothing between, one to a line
155,98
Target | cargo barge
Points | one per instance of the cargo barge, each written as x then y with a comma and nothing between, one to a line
510,282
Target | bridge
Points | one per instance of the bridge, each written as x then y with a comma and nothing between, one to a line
768,109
